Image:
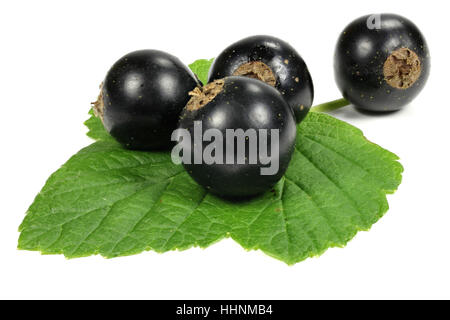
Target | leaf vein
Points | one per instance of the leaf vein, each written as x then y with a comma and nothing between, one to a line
346,195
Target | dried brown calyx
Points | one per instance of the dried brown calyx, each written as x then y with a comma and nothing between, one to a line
257,70
98,105
402,68
202,96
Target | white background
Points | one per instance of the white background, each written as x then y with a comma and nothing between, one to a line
53,56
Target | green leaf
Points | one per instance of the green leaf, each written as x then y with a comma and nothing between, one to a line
201,68
96,130
114,202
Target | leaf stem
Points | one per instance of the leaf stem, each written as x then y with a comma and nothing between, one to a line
330,106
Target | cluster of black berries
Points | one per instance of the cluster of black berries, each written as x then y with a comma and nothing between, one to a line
259,83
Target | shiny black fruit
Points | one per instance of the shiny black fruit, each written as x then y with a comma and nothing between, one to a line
273,61
142,97
381,62
248,133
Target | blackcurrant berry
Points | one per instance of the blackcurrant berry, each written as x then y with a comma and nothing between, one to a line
381,62
248,133
142,97
270,60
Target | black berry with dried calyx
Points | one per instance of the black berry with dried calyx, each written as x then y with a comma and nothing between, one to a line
142,97
273,61
248,137
381,62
